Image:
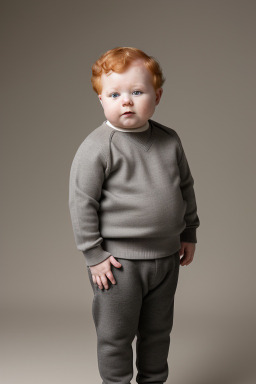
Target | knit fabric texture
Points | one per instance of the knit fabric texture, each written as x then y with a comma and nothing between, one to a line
131,194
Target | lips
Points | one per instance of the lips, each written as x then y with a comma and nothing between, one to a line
128,113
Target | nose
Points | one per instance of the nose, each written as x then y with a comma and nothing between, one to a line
127,100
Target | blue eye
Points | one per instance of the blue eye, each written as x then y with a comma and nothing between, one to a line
137,92
113,95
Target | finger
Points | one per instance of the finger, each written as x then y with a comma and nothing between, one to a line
190,261
104,281
94,279
115,262
187,259
111,277
99,282
184,259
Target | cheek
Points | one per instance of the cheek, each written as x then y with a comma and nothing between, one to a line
110,109
147,108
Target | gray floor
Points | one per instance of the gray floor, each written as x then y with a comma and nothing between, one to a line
48,347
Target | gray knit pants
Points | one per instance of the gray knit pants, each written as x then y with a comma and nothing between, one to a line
140,304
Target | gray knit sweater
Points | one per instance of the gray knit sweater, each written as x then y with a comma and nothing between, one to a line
131,194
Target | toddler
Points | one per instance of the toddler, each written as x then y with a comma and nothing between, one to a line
134,217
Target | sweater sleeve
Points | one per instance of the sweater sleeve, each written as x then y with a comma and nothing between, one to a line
187,190
86,178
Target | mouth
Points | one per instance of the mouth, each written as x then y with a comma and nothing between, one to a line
128,113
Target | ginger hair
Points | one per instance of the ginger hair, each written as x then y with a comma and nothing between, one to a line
118,60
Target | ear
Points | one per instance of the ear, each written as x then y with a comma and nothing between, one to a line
99,96
159,93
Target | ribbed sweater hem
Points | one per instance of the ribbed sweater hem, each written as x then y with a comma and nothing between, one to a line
146,248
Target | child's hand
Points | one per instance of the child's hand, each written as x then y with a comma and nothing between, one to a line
101,271
187,250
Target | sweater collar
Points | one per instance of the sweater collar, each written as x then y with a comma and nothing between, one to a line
142,139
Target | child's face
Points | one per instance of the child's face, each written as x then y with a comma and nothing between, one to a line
130,91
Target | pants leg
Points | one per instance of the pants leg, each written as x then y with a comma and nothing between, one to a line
123,311
155,323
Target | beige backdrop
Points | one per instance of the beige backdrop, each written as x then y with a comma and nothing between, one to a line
207,52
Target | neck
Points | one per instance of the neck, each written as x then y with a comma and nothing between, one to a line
139,129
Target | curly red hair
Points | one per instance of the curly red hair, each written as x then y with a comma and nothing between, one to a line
118,60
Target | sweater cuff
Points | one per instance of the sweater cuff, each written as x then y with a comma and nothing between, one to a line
188,235
95,256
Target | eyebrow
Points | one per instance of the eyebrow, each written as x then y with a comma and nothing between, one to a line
133,86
